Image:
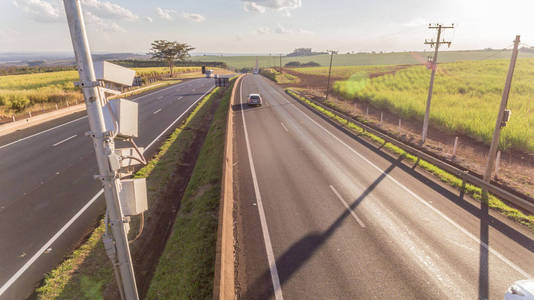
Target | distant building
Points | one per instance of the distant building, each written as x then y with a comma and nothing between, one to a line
304,52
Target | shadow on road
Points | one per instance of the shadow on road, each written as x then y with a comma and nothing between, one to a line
297,255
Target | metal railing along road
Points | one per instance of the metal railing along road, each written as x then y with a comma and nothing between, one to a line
466,175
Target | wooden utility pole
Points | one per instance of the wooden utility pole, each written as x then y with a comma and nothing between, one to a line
501,122
329,73
434,66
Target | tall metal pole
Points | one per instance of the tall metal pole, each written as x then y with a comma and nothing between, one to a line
104,147
435,44
329,74
499,123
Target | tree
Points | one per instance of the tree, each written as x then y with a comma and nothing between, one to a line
169,51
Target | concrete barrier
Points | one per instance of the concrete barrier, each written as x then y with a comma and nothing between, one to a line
224,281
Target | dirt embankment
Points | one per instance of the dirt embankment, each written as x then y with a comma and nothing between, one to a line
515,168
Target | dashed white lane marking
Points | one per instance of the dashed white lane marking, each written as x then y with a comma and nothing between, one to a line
285,128
62,141
352,213
263,220
417,197
157,111
23,269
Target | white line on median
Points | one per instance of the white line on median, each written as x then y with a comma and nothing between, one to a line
352,213
44,131
417,197
62,141
157,111
48,244
19,273
265,230
285,128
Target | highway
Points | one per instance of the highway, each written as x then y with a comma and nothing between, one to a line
322,214
49,199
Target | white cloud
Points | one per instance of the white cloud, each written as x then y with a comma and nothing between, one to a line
164,13
148,19
95,22
39,10
263,30
253,7
194,17
106,9
260,6
279,29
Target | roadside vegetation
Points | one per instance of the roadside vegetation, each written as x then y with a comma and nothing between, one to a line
187,265
355,59
473,191
465,100
42,91
87,272
281,78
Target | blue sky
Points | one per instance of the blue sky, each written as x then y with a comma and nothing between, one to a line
266,26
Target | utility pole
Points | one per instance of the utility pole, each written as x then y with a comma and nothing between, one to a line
280,63
434,66
501,122
329,73
104,148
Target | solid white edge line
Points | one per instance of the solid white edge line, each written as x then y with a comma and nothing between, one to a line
48,244
285,128
266,238
16,276
62,141
352,213
174,122
458,226
157,111
41,132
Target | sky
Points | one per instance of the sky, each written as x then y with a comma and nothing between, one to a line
267,26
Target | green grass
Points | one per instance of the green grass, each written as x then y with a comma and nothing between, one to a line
472,190
20,92
397,58
87,271
281,78
465,100
186,267
344,72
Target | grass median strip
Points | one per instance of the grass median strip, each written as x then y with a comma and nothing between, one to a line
87,272
444,176
186,267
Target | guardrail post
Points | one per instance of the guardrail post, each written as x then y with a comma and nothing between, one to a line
367,110
30,114
454,147
56,107
497,163
381,118
13,117
400,126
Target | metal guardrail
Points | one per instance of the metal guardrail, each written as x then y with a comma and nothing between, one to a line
526,204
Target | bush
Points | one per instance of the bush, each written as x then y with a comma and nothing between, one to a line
19,102
4,100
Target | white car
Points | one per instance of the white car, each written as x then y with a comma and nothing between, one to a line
254,99
520,290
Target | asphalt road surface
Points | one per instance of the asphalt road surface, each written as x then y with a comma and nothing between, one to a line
49,198
324,215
